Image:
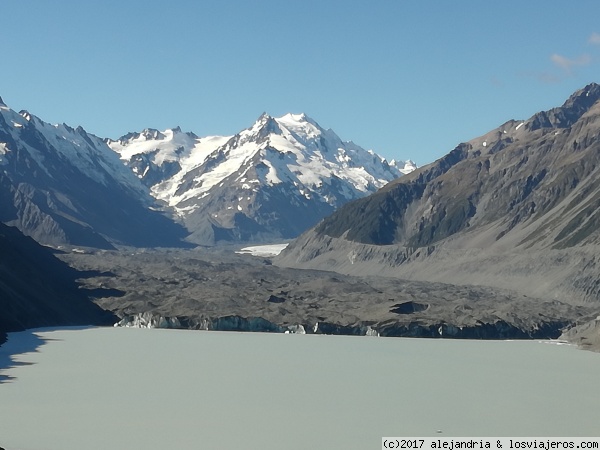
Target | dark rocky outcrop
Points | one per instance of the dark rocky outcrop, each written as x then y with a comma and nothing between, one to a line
38,290
276,299
408,307
493,330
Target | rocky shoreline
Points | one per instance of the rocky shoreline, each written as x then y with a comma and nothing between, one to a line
585,336
490,331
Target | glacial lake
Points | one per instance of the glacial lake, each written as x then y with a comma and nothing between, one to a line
121,388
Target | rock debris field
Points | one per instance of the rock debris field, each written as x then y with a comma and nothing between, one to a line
218,289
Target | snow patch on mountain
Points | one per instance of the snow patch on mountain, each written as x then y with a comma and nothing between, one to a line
172,146
267,250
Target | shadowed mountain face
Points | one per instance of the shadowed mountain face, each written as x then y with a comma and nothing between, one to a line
38,290
518,207
537,178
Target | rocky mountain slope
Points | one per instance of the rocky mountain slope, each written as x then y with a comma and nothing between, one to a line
37,289
272,180
62,185
516,208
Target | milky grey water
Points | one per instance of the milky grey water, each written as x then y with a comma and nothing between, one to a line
120,388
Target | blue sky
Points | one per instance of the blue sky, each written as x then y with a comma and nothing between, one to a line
408,79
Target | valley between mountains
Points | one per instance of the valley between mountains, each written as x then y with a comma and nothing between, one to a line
498,239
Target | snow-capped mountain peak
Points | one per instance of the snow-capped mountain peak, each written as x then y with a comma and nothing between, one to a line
404,166
276,167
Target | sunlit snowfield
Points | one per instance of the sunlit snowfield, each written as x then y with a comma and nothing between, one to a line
102,388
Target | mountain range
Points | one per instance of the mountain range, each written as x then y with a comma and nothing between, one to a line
62,185
272,180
